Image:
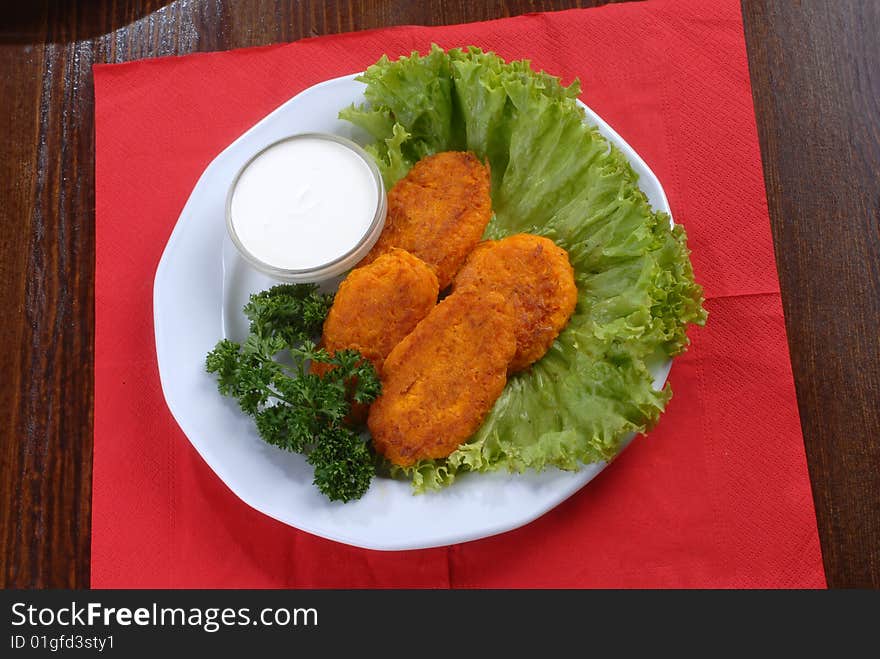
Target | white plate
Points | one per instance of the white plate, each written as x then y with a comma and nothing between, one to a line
200,287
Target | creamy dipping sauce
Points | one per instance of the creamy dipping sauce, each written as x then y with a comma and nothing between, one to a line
303,203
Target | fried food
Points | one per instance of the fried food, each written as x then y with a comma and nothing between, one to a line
535,275
441,381
379,304
438,212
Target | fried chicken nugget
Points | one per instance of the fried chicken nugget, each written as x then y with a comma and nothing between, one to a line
441,381
535,275
438,212
377,305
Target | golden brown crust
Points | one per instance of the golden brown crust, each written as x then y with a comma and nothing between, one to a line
441,381
379,304
535,275
438,212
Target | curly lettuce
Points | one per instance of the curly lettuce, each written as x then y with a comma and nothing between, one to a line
553,175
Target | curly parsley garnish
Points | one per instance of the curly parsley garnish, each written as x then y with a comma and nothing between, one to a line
292,408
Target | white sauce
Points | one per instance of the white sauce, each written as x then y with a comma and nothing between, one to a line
303,203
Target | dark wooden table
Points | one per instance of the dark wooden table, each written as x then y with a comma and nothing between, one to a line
815,68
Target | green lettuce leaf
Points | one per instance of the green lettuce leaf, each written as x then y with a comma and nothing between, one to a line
553,175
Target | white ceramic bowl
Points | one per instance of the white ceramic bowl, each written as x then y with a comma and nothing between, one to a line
200,287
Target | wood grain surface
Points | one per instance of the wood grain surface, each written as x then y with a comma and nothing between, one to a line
815,68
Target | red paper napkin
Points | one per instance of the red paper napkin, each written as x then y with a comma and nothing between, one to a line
716,496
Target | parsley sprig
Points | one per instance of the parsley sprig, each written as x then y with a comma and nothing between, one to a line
294,409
